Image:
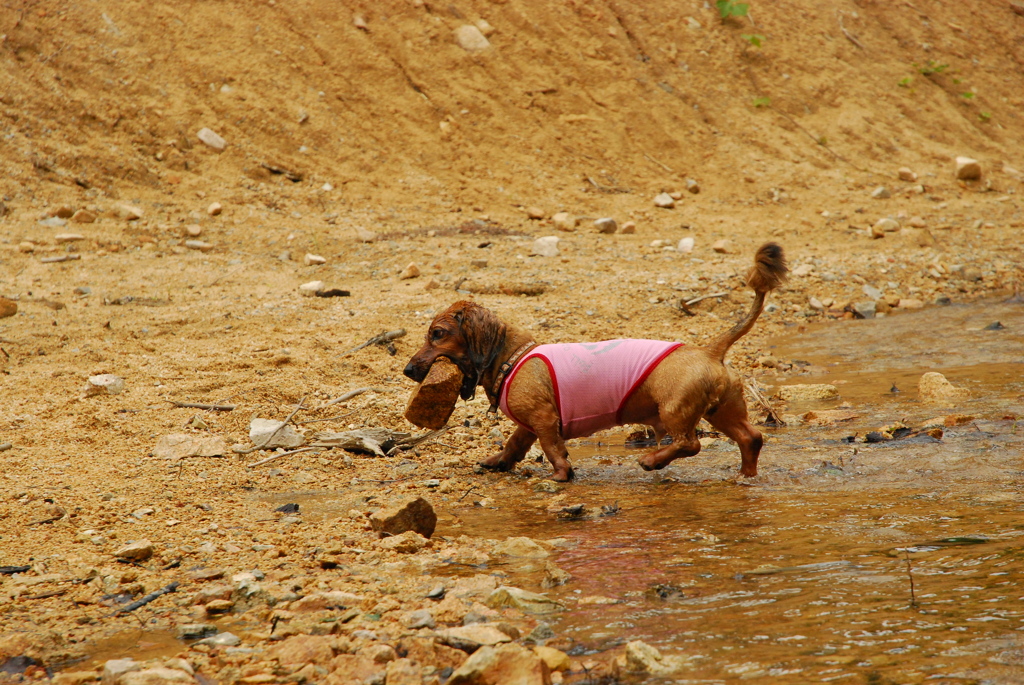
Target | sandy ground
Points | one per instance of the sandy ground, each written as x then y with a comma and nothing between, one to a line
400,147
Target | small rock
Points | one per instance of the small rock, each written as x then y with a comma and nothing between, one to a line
887,225
83,216
472,637
722,246
64,213
200,245
906,174
521,547
485,27
261,429
311,288
664,200
807,392
214,209
313,259
881,193
115,668
872,292
816,304
298,650
508,664
606,225
478,263
641,658
212,139
971,273
26,246
803,270
967,169
685,245
156,676
420,619
128,212
360,23
140,550
408,542
910,303
194,631
184,445
556,659
411,271
529,602
432,284
629,227
866,309
564,221
365,236
1017,6
193,230
471,39
935,389
535,213
546,246
916,222
410,513
7,307
692,186
103,384
221,640
53,222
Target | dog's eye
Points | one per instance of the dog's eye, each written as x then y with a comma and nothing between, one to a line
437,334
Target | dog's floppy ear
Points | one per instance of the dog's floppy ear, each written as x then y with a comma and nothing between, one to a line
484,334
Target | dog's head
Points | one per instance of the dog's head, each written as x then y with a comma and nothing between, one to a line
469,335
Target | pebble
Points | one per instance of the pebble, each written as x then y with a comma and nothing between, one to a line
910,303
212,139
723,246
692,186
935,388
865,310
83,216
642,658
807,392
546,246
113,669
564,221
420,619
906,174
194,230
26,246
432,284
287,437
872,292
478,263
412,271
967,169
53,222
365,236
629,227
535,213
816,304
886,225
485,27
7,308
606,225
311,288
471,39
803,270
68,237
664,200
221,640
214,209
103,384
881,193
408,542
139,550
64,213
916,222
686,245
128,212
200,245
400,515
313,259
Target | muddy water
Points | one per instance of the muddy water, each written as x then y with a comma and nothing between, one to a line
893,562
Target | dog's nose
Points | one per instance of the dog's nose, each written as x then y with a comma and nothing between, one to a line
410,372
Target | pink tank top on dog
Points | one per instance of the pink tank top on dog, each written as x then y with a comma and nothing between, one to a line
592,381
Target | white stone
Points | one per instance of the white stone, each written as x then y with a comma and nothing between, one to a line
906,174
200,245
881,193
214,209
410,271
184,445
723,246
803,270
313,259
887,225
103,384
967,169
485,27
664,200
68,237
546,246
211,139
564,221
606,225
311,288
128,212
816,304
685,245
471,39
115,668
287,437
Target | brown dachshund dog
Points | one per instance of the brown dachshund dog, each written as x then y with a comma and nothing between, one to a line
686,385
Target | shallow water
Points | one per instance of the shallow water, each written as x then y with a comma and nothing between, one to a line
804,573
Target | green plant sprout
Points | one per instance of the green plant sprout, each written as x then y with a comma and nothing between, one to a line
731,8
762,101
985,116
905,82
932,67
967,96
754,39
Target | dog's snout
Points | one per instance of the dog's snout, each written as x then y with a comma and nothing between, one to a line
414,373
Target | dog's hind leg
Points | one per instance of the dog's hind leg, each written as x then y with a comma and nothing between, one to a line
682,427
730,417
514,451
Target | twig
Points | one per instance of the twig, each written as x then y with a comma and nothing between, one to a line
704,297
849,36
371,480
62,258
350,394
382,338
409,443
230,273
284,454
329,418
47,595
663,166
772,415
147,599
913,597
277,430
466,493
197,405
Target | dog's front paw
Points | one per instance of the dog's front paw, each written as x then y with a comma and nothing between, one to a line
497,463
564,476
648,464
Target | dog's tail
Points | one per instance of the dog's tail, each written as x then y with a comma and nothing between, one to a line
767,274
